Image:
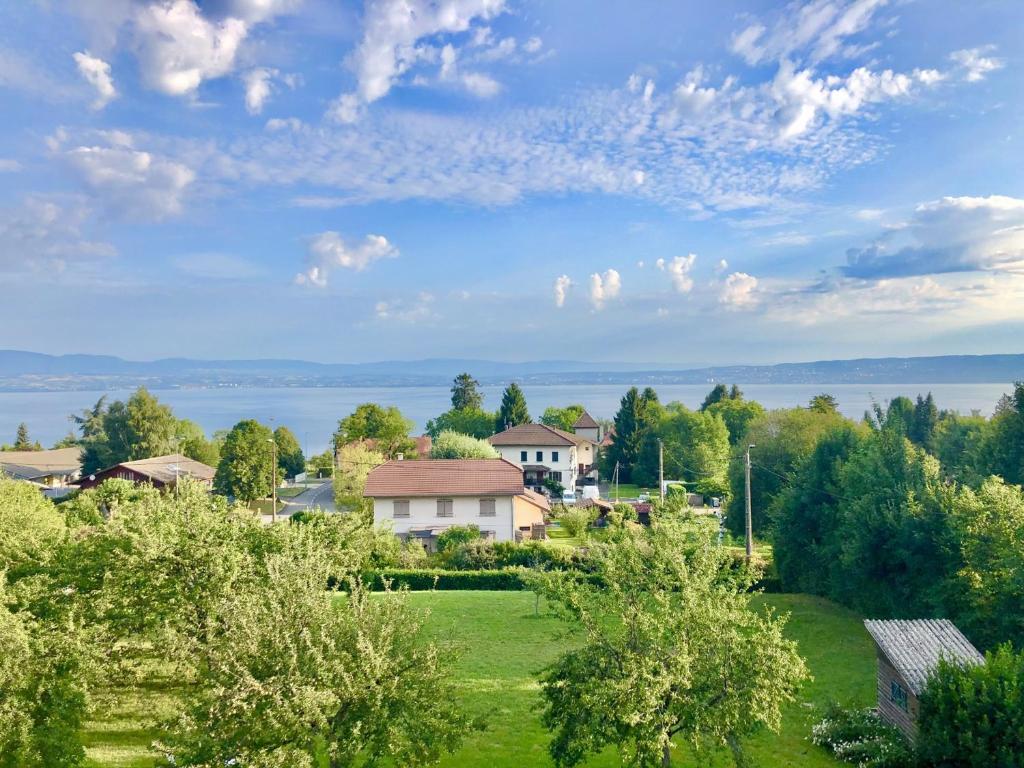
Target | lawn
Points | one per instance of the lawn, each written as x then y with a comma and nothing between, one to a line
501,644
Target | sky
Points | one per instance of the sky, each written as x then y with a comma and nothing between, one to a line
689,182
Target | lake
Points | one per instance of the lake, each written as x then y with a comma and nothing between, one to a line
312,414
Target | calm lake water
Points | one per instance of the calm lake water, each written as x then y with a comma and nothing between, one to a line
313,413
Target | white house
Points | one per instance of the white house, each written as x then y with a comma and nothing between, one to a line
546,452
420,499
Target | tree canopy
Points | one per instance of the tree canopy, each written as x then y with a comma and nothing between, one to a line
466,395
387,427
562,418
466,421
246,468
513,411
452,445
289,453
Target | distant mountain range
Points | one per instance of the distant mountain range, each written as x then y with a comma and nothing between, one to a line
27,371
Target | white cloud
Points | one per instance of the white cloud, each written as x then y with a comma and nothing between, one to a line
405,311
388,49
127,181
952,234
604,287
721,266
43,235
975,63
257,88
533,44
679,271
328,251
738,291
480,85
562,285
97,73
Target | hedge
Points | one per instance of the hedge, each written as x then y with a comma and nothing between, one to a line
505,580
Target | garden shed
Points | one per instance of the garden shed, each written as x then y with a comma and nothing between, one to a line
908,651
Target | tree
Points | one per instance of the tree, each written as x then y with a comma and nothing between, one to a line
452,445
246,468
466,395
736,414
301,678
988,585
191,441
717,394
671,650
925,419
562,418
639,413
31,529
140,428
824,403
973,716
782,438
696,449
958,440
386,427
466,421
1001,451
513,410
455,536
22,442
354,464
289,452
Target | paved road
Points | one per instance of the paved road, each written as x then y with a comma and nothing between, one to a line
321,496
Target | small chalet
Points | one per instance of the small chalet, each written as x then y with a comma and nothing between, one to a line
908,651
420,499
51,471
159,471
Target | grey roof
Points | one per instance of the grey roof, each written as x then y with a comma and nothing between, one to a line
586,421
914,647
30,465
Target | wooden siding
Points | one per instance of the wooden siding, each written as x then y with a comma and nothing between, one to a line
890,711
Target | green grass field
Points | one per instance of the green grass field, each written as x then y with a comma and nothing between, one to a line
501,646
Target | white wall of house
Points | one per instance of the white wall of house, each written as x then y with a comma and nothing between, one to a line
423,513
562,458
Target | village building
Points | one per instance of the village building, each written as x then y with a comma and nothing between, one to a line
545,452
908,652
421,499
159,471
53,471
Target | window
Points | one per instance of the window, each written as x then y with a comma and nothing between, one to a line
444,508
487,508
523,456
400,508
897,695
556,476
540,455
554,457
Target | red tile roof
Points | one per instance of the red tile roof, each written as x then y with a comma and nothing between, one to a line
586,421
445,477
535,434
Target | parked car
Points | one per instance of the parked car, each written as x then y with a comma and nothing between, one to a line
568,498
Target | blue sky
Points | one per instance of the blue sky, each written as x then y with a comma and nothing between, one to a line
691,182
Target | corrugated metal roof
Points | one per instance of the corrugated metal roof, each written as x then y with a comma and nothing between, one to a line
445,477
914,647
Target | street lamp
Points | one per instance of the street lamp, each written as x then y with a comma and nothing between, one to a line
273,479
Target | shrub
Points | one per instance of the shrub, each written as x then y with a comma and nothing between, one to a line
860,737
506,580
974,716
452,537
452,445
488,555
575,521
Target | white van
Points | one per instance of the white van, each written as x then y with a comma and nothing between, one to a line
568,498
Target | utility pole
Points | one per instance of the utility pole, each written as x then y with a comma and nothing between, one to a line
750,517
273,480
615,479
661,469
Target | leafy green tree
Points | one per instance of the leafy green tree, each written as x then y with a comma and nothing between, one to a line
696,450
562,418
70,440
957,443
671,651
737,415
354,464
44,683
824,403
191,441
466,395
782,439
805,515
513,411
140,428
455,536
31,528
452,445
387,427
322,464
246,468
302,679
150,424
1001,451
973,716
576,521
289,452
717,394
466,421
989,584
22,441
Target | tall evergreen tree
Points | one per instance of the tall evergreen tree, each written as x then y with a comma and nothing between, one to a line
466,393
628,438
717,394
22,441
513,411
926,419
